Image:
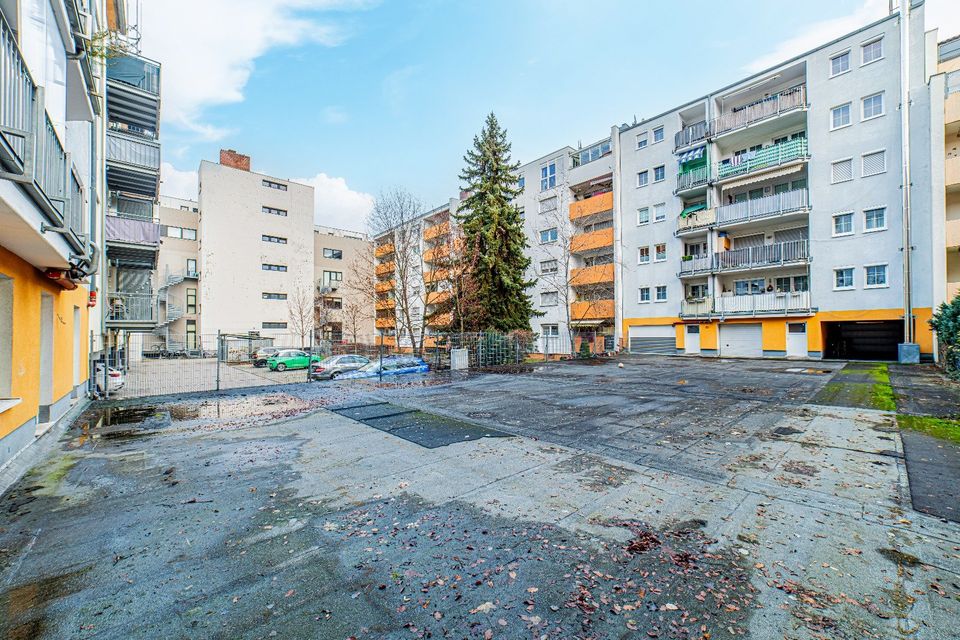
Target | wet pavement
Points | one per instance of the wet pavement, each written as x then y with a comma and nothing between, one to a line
670,498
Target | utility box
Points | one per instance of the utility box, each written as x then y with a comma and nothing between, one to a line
459,359
908,353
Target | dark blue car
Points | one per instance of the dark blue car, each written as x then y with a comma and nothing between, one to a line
392,366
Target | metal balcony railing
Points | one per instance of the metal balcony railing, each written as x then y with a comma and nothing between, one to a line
772,156
696,307
696,264
693,178
135,71
763,303
132,150
766,207
768,255
132,231
690,134
131,307
770,107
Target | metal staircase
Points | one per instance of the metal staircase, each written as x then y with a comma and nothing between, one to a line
170,311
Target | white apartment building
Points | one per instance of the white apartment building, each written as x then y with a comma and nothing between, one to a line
347,314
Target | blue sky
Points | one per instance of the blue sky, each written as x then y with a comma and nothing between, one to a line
356,95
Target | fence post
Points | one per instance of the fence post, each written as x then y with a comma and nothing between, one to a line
219,355
310,356
380,368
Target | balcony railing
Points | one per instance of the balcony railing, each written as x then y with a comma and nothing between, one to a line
437,297
690,134
692,179
591,206
597,274
134,151
135,71
131,307
383,250
696,264
772,156
385,268
696,307
769,107
763,303
584,242
766,207
131,231
436,230
768,255
697,220
591,310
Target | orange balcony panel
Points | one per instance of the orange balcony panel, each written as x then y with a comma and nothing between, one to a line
386,323
591,310
387,341
583,242
437,230
386,268
435,275
385,305
591,206
599,274
437,297
383,287
383,250
442,320
437,253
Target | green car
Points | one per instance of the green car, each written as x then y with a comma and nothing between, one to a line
291,359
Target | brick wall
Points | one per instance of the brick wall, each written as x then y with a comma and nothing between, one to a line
230,158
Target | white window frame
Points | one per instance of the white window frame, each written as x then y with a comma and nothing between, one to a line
663,209
838,161
875,229
663,169
545,179
644,138
554,229
664,258
553,304
640,299
883,106
554,330
556,266
886,275
643,222
834,57
663,135
870,153
853,272
645,173
849,106
666,293
866,44
833,224
639,249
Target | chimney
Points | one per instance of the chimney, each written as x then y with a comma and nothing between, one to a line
230,158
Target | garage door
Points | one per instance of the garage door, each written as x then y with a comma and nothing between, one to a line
876,340
662,340
741,340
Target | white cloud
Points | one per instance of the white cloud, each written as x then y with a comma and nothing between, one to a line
336,205
208,48
176,183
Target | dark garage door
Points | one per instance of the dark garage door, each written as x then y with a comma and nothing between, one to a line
863,340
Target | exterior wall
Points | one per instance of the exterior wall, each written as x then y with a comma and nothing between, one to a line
232,249
172,265
354,247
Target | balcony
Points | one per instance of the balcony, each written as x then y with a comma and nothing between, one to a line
133,164
582,209
696,308
772,206
437,297
437,253
693,265
696,221
691,134
692,179
952,172
437,230
435,276
769,255
132,310
386,305
951,107
133,92
771,107
587,242
386,323
132,242
953,233
440,320
597,274
764,303
767,158
386,268
383,250
591,310
384,286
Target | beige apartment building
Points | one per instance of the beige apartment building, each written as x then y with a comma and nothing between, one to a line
949,65
346,314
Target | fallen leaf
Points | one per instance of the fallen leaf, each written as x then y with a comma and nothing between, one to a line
486,607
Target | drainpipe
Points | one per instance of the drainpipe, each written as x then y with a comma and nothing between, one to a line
909,351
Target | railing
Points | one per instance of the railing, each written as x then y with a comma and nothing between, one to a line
128,149
599,203
770,107
135,71
764,256
772,156
690,134
131,307
597,274
696,307
766,207
17,94
763,303
591,310
696,264
132,130
697,220
693,178
74,206
131,231
599,239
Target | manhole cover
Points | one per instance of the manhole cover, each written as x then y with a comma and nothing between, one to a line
419,427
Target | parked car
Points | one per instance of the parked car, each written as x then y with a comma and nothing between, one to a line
115,378
291,359
261,355
392,366
333,366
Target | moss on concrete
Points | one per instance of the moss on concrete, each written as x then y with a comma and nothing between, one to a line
942,428
50,476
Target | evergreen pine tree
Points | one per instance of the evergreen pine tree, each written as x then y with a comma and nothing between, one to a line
493,235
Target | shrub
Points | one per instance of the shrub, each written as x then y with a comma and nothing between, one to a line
946,323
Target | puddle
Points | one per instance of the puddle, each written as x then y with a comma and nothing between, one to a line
25,605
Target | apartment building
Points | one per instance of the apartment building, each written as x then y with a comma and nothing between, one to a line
51,159
346,313
949,83
256,248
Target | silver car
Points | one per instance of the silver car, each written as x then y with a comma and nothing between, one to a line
332,366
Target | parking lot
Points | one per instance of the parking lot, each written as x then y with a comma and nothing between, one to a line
667,498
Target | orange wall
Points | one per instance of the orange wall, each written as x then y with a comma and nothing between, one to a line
924,335
28,283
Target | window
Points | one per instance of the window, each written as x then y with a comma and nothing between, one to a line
332,278
641,140
548,176
274,296
875,276
549,204
191,300
644,294
782,284
549,298
875,219
274,239
660,252
643,215
874,163
550,330
189,234
697,291
184,207
843,278
659,212
871,52
549,266
871,106
643,178
661,293
659,173
332,303
658,135
274,325
748,287
270,184
840,63
548,235
273,267
191,334
174,232
840,116
843,224
192,267
521,182
801,283
274,211
592,153
841,171
643,255
333,254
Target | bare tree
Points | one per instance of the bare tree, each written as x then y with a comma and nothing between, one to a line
453,274
326,310
300,309
360,295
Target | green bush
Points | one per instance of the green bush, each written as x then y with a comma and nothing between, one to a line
585,349
946,323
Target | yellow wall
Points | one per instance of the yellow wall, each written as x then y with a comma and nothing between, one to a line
28,283
924,335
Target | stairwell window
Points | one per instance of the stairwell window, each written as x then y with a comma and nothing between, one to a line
273,239
840,63
875,219
548,176
273,267
191,300
840,117
843,279
548,267
871,52
274,296
841,171
549,298
643,215
874,163
274,211
274,325
548,236
661,293
279,186
871,107
875,276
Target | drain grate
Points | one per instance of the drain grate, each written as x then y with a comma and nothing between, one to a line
419,427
